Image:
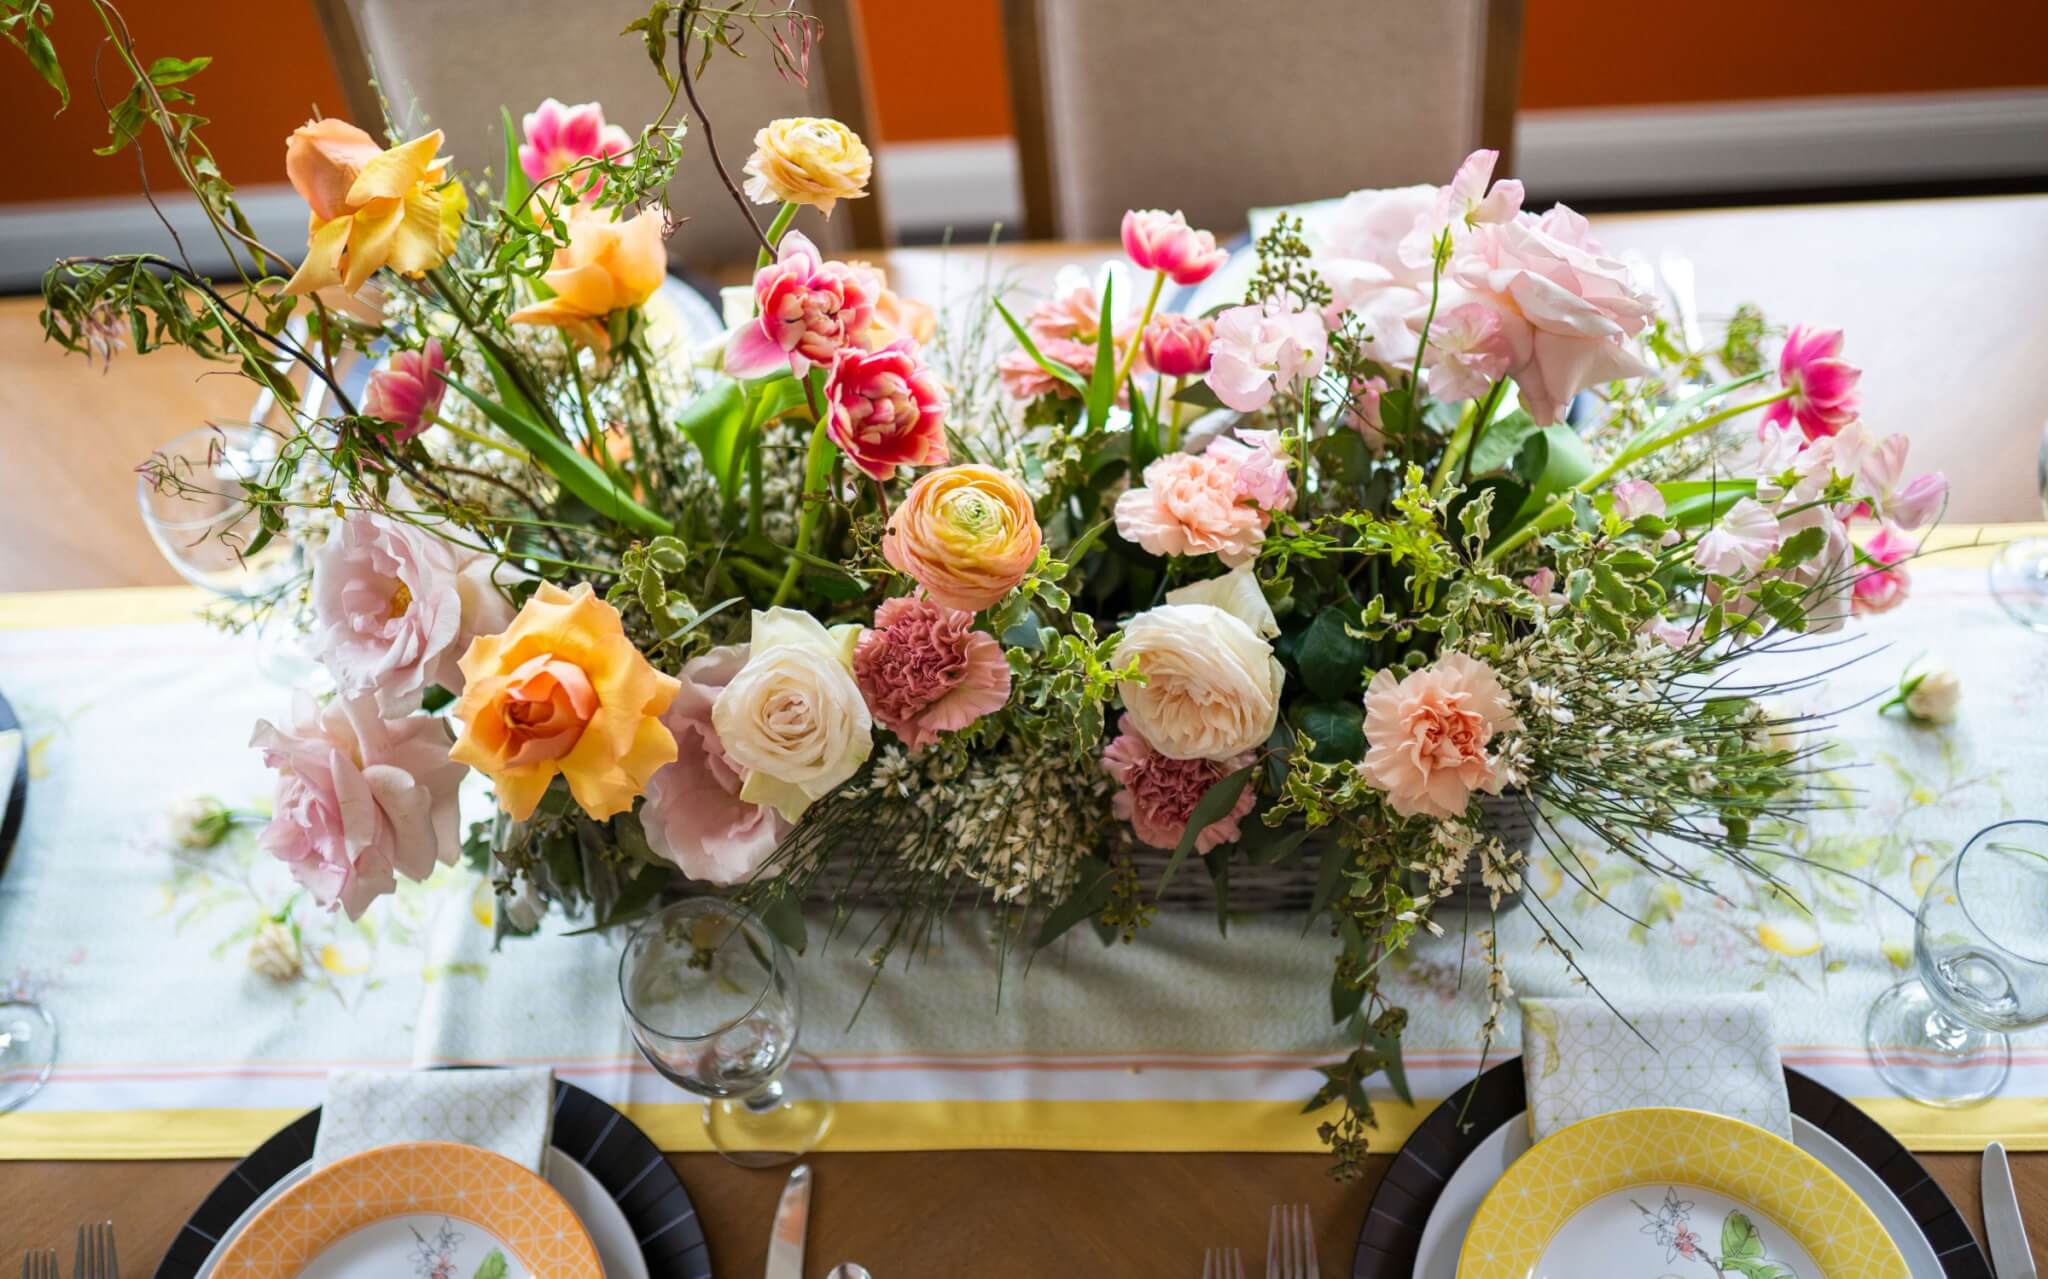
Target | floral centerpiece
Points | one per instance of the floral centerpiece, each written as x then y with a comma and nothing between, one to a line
1442,537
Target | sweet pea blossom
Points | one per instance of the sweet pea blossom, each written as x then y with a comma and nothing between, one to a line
1177,345
1463,205
1259,463
1823,385
1543,585
1466,352
806,309
1362,411
886,409
558,137
1155,240
1634,498
1880,474
925,670
1740,541
1159,793
407,391
1883,586
1260,349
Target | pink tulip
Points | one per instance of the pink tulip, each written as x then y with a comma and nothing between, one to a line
1178,345
886,409
1155,240
558,136
809,309
407,391
1822,383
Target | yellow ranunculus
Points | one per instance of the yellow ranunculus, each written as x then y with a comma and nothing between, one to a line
370,208
562,690
806,160
607,266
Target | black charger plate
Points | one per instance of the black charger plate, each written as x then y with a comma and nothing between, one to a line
13,790
616,1152
1401,1205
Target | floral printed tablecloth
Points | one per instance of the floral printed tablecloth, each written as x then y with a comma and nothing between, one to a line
178,1036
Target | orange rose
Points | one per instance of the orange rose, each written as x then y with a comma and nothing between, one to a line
966,533
370,207
562,690
607,266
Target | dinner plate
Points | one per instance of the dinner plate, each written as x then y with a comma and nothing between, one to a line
1437,1256
1653,1191
434,1209
617,1250
13,778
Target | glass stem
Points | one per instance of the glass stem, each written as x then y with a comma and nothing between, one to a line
1945,1032
768,1098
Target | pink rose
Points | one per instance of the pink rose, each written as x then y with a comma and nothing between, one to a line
407,391
1189,506
394,608
360,799
1427,735
1155,240
1160,793
808,309
1823,384
886,409
1178,345
1368,280
1258,462
559,136
694,815
1259,350
1883,586
925,670
1466,353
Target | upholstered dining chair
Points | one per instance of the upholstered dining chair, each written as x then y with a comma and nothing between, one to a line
1218,106
450,64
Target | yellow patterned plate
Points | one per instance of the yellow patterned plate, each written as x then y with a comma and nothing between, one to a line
1650,1193
416,1210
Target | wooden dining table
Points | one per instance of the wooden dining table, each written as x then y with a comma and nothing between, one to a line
1945,309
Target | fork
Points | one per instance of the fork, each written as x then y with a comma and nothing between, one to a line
39,1263
1222,1263
1291,1244
96,1253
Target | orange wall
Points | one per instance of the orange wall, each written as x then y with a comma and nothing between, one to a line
939,73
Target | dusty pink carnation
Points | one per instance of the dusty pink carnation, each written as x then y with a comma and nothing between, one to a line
925,670
694,815
1427,735
1189,505
1160,793
1064,329
1024,379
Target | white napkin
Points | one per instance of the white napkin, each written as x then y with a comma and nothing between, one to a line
1712,1053
507,1112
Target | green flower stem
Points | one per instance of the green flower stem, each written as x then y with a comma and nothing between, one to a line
483,441
817,474
783,216
1173,407
1440,254
1123,369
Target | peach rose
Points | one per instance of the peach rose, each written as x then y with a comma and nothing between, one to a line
370,207
806,160
966,534
607,266
562,690
1427,735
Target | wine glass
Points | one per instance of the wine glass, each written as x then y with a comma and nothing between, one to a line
712,1001
28,1047
194,495
2019,576
1980,946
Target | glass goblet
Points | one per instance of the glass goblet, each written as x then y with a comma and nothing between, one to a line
28,1048
194,495
712,1001
2019,576
1981,952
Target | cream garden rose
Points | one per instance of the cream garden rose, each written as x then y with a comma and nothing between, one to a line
807,160
793,717
1212,685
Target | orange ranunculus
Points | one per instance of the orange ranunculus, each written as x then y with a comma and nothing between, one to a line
966,533
562,690
607,266
370,207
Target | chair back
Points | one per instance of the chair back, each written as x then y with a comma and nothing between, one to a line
1215,106
450,64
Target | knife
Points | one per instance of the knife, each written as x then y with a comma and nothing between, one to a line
792,1215
2010,1256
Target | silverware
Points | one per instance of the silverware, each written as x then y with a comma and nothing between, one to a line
95,1256
1291,1243
849,1270
39,1263
792,1217
1222,1263
2010,1256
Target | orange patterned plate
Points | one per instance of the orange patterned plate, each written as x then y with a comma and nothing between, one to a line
416,1210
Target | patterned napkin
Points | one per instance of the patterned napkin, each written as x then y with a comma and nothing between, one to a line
1715,1052
508,1112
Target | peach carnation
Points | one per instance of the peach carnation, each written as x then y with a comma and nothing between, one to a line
925,670
1427,735
1160,793
1189,506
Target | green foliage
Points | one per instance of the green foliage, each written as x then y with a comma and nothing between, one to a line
25,24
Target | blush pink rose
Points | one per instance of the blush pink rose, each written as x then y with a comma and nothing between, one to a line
694,815
1883,586
360,799
1427,735
925,670
558,136
407,391
1160,793
395,607
807,309
1189,505
1155,240
886,409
